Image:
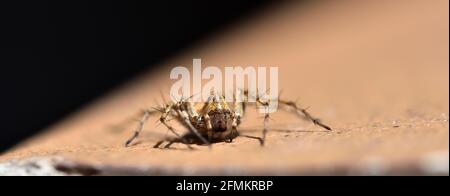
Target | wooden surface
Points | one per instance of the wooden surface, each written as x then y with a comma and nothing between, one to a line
375,71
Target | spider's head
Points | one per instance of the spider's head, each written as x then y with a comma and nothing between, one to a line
219,120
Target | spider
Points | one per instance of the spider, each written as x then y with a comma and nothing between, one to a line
216,121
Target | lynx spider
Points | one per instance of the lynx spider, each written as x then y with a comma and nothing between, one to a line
216,121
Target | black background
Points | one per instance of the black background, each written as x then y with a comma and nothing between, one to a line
56,56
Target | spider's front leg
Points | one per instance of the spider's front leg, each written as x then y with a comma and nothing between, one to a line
266,117
302,111
144,118
235,133
186,119
239,110
147,113
207,120
163,119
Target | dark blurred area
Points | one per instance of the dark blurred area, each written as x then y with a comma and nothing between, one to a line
58,55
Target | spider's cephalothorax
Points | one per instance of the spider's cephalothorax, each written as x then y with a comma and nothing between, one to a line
216,114
219,120
215,121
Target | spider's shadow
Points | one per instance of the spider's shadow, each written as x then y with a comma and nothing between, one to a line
137,143
285,131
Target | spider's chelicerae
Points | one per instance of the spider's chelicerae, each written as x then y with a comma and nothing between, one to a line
216,121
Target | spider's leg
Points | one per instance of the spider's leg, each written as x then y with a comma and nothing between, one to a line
208,124
144,118
238,112
261,141
184,120
266,127
266,117
180,138
303,113
163,120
